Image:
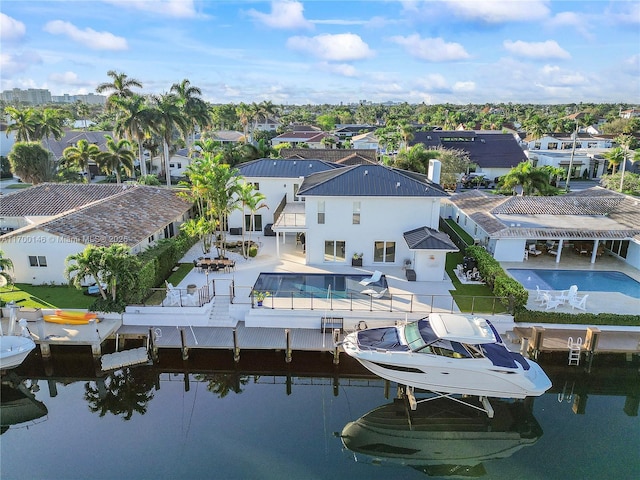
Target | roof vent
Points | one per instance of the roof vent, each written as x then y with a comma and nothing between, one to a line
274,163
366,172
294,162
397,184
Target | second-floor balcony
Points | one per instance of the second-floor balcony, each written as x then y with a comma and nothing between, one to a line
292,217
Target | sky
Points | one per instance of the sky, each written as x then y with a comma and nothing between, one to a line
293,52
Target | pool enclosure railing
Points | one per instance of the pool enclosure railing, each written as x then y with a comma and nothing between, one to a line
398,302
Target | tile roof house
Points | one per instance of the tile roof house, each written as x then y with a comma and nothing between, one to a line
312,139
507,225
347,156
135,215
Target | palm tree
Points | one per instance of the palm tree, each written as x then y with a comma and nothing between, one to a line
530,178
87,263
250,199
167,117
134,122
244,116
615,157
118,155
22,122
193,107
5,265
119,268
80,155
120,86
82,111
536,126
624,141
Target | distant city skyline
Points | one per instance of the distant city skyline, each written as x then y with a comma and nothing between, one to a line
320,51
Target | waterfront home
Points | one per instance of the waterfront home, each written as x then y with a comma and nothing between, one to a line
493,152
53,221
311,138
342,156
588,223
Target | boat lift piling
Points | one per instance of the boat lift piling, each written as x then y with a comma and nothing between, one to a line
287,334
336,342
184,348
236,347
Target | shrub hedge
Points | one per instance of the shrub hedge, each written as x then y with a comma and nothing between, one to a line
534,316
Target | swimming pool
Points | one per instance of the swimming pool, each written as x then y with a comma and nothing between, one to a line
586,280
315,285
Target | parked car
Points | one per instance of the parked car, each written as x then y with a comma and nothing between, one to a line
475,180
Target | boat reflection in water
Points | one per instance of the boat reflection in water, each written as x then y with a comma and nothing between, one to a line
440,437
18,405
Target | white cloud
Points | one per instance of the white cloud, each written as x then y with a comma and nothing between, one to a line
88,36
12,64
167,8
10,28
343,47
431,49
500,11
433,82
464,87
286,14
343,69
632,64
581,23
67,78
546,49
625,13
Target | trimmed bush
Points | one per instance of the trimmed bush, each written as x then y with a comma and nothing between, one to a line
253,251
534,316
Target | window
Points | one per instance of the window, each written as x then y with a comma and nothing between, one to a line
257,223
172,165
356,213
384,252
37,261
151,238
536,146
296,187
256,185
334,250
321,212
552,146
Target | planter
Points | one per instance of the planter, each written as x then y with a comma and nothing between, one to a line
356,262
259,303
192,288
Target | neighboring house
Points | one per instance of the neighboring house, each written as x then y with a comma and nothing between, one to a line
278,180
226,136
71,139
507,225
341,156
389,216
267,125
57,220
365,141
564,142
495,153
312,139
631,113
347,132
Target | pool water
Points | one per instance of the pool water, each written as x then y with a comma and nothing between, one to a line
589,281
315,285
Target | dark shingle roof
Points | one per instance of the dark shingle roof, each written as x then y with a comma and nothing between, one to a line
487,149
290,168
372,181
129,217
425,238
72,137
48,199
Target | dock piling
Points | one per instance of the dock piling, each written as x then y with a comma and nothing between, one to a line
336,351
236,346
184,348
287,333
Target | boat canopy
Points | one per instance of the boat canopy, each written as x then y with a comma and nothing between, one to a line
461,328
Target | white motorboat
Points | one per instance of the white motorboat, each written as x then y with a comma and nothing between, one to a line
447,354
13,350
441,438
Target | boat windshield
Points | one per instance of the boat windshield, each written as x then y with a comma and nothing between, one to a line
413,337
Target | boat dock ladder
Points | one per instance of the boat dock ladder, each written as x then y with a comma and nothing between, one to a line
575,348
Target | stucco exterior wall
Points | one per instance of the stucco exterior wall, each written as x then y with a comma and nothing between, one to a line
509,250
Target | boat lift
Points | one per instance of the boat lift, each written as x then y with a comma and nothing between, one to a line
408,392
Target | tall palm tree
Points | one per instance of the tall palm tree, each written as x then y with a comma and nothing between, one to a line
87,263
167,117
624,141
531,179
244,113
23,122
615,157
193,108
80,155
120,86
134,122
82,112
118,155
250,200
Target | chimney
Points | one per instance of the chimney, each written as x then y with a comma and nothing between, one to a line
434,170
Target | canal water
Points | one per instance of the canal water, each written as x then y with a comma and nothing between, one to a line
263,418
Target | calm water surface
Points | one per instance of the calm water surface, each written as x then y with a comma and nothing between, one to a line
265,419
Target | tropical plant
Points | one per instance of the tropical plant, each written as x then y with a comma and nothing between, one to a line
151,180
23,122
32,162
87,263
5,266
80,156
615,157
120,87
118,156
167,118
531,179
134,121
194,109
250,199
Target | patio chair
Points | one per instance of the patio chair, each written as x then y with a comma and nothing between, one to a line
552,302
579,302
374,294
372,279
540,294
533,250
197,267
569,295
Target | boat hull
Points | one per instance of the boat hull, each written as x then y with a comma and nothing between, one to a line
14,350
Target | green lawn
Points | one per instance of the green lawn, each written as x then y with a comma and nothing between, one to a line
477,298
45,296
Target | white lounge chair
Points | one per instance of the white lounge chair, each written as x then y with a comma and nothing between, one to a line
569,295
533,250
552,302
374,294
579,302
372,279
540,294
